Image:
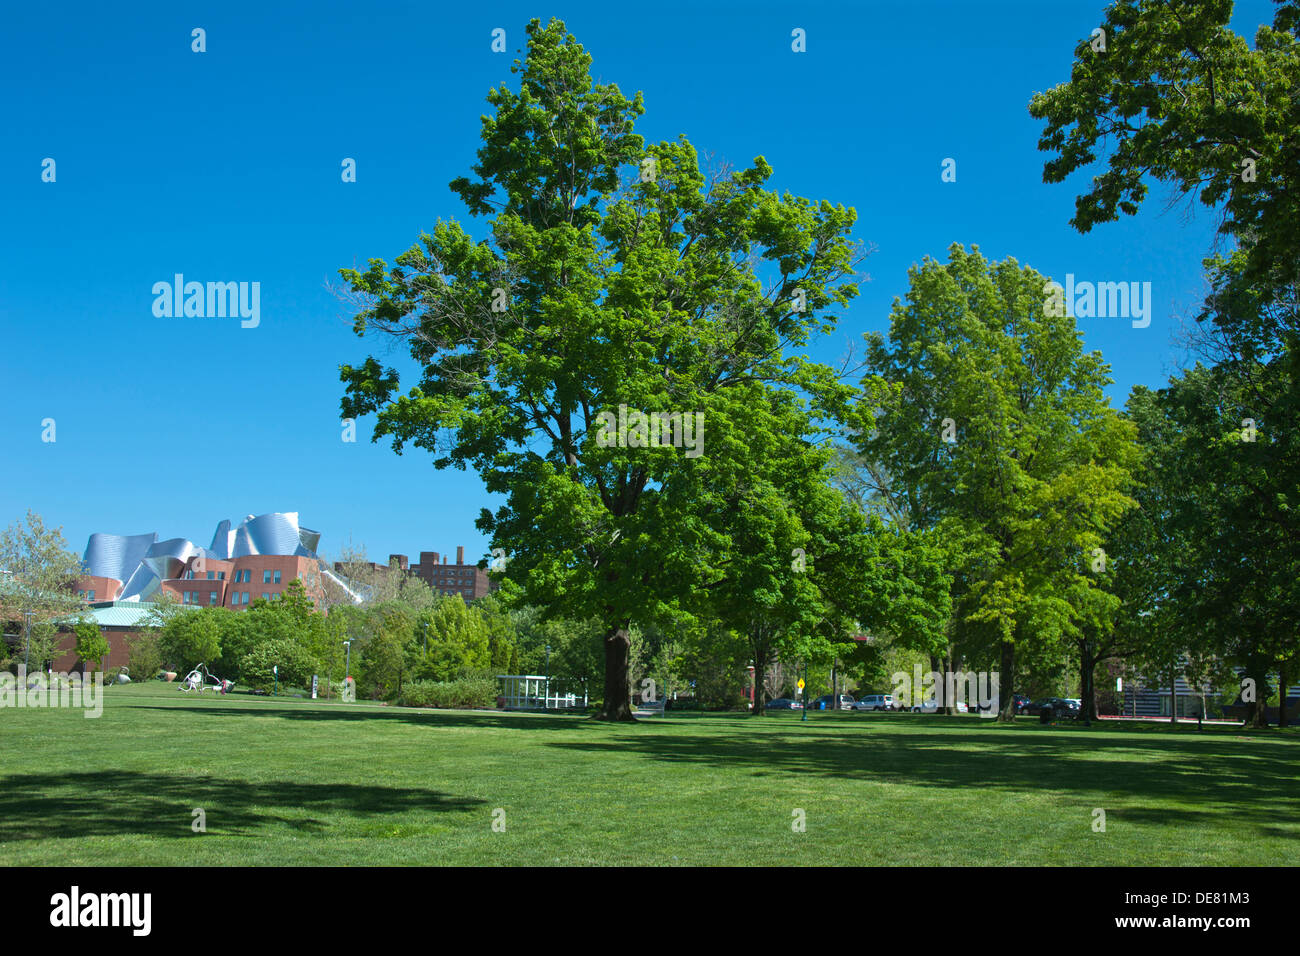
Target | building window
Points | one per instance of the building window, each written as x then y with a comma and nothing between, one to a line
221,575
212,597
91,595
266,577
277,577
265,596
211,575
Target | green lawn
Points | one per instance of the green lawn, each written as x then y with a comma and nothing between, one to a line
299,782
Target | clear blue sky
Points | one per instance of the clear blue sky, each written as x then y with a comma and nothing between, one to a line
226,166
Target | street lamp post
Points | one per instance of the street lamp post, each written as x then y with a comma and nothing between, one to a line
27,639
546,701
805,691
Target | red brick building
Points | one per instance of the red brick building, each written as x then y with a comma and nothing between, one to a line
468,580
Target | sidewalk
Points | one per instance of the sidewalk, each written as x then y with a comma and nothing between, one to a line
1165,720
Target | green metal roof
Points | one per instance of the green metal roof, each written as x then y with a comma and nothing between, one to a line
118,613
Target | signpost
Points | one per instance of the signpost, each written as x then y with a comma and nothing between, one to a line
802,698
314,679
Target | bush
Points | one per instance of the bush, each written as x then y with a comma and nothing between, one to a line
144,657
296,665
456,693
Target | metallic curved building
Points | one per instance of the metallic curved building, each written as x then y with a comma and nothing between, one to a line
136,567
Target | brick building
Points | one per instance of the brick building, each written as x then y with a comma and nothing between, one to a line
468,580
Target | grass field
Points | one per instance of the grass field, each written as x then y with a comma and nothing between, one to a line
286,781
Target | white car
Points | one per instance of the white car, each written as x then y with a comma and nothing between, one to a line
929,707
875,702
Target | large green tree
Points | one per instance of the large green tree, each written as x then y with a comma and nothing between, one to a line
614,273
991,423
1219,564
1177,97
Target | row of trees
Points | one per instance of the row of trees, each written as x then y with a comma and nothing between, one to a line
972,496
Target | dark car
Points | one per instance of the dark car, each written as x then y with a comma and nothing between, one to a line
784,703
1056,708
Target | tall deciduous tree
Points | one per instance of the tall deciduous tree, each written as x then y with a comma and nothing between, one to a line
991,422
1225,564
614,274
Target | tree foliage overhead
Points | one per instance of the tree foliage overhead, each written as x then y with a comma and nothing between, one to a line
1178,97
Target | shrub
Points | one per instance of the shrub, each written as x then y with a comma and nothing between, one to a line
296,665
470,692
144,657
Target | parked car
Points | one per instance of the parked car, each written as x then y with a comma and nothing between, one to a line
875,702
824,702
1055,708
784,703
929,707
1022,703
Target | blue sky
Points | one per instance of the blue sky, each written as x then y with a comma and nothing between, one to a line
225,166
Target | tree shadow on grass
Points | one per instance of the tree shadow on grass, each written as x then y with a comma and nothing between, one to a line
113,803
425,718
1255,782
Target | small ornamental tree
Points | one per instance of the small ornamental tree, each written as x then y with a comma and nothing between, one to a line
91,646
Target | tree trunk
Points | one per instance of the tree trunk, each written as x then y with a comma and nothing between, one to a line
938,686
1281,697
1259,709
1173,694
762,652
1087,675
618,686
1007,682
950,700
